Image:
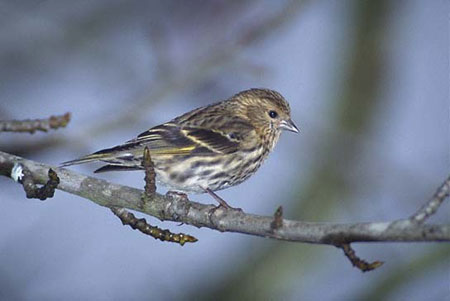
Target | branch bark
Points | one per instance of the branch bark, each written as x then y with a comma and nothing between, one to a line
33,125
176,208
433,204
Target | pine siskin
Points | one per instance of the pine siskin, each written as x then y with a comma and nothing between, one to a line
209,148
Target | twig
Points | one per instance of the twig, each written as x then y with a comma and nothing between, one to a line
419,217
33,125
364,266
147,163
141,224
21,174
277,222
432,206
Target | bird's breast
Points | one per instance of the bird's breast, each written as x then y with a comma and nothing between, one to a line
216,172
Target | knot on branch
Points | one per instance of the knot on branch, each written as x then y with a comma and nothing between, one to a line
178,206
277,222
21,174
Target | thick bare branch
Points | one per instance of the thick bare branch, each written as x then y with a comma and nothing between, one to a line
178,209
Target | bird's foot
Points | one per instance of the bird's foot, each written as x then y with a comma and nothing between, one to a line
222,202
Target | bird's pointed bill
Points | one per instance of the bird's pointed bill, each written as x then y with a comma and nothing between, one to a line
289,125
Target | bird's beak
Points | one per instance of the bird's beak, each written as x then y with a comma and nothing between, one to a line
289,125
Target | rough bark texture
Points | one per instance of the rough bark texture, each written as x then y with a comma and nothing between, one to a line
176,208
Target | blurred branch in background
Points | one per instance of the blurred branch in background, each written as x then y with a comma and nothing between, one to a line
33,125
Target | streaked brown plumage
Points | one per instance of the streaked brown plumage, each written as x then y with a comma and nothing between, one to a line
212,147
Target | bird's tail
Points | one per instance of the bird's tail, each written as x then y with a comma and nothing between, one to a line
102,155
121,155
86,159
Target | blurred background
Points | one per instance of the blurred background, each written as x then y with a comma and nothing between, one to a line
369,88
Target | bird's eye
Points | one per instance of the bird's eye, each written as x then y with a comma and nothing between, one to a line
273,114
232,136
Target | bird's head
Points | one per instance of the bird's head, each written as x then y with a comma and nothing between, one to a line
266,110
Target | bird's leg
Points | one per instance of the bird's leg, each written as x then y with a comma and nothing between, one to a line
221,201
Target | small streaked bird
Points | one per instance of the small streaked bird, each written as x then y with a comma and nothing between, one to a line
210,148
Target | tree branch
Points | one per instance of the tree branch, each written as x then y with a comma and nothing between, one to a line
141,224
33,125
358,262
176,208
432,205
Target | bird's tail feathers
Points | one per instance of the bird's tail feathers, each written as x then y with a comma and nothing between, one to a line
118,155
112,167
85,159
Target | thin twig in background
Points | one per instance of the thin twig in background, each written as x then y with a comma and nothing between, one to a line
33,125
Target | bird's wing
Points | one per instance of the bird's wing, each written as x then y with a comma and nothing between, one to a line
171,138
165,139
